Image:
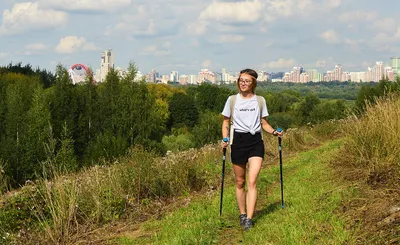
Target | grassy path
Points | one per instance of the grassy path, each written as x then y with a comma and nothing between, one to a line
311,196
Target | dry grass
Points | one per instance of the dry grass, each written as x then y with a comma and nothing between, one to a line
370,164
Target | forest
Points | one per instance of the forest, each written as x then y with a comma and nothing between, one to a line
45,120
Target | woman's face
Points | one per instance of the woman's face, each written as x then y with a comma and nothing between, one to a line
245,82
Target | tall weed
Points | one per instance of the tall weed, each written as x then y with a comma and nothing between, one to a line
374,140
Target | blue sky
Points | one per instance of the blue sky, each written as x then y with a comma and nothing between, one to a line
187,35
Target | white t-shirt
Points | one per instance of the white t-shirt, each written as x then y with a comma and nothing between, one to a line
246,115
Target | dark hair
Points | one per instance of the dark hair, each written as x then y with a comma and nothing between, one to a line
252,73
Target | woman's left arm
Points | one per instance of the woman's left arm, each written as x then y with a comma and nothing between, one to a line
269,129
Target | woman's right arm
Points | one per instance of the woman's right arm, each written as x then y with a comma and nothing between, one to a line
225,131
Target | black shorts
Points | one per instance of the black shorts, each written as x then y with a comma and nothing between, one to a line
246,145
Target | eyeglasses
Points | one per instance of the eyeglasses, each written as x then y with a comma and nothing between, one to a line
245,81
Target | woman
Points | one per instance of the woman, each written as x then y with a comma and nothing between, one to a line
247,146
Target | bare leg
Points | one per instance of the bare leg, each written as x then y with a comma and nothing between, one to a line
240,175
254,169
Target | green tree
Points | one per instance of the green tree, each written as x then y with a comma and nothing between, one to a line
18,102
65,158
304,111
88,116
38,119
183,110
208,130
63,106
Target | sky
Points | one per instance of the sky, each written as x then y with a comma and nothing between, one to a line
189,35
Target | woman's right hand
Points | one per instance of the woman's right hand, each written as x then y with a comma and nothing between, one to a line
224,144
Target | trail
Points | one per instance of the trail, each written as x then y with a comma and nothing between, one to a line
311,197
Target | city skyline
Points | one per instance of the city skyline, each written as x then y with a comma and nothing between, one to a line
186,36
298,74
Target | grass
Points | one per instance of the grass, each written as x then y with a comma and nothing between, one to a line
370,160
308,217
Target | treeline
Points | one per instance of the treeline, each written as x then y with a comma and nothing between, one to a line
369,93
46,121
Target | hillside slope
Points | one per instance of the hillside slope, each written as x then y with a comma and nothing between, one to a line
309,217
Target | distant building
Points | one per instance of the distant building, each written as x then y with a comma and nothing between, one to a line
313,75
206,76
107,63
174,76
395,64
357,76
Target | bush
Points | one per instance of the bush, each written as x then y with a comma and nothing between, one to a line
180,142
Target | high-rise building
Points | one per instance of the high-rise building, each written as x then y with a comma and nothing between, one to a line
337,73
152,76
174,76
206,76
395,64
107,63
389,73
313,75
357,76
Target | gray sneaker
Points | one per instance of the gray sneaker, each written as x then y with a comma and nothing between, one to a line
248,224
242,218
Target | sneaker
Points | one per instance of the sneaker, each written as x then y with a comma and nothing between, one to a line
242,218
248,224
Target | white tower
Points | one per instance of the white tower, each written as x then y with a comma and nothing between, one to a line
107,63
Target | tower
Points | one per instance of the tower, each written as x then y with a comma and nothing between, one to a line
107,63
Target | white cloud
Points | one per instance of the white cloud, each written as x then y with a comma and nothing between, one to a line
73,44
231,38
36,46
398,32
387,25
353,45
233,12
86,5
3,55
383,42
151,20
280,64
321,63
134,29
29,16
206,63
197,28
157,50
333,3
269,43
358,15
330,36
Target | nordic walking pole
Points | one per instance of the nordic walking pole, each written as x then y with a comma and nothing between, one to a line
222,182
280,164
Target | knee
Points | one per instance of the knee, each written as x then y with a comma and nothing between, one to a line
252,184
240,183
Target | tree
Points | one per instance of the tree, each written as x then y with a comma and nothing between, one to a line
14,148
183,110
63,105
38,119
306,107
208,130
88,116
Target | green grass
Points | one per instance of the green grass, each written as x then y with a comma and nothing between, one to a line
311,197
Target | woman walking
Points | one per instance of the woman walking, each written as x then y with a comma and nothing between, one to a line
247,113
